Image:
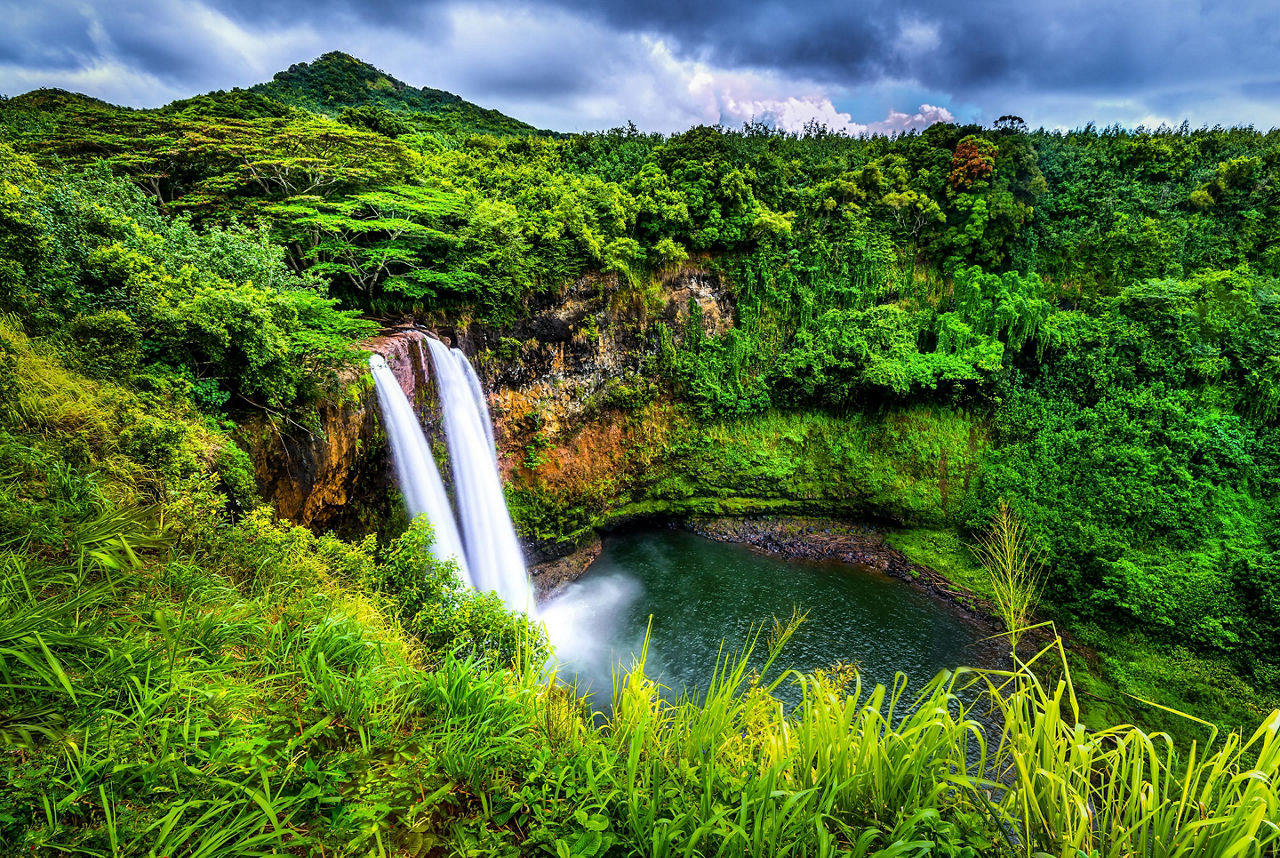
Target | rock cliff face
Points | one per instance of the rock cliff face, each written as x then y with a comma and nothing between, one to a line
589,437
549,376
556,367
333,473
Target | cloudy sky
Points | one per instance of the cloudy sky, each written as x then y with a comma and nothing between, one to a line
858,65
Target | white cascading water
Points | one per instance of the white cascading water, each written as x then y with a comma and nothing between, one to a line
416,469
493,552
482,404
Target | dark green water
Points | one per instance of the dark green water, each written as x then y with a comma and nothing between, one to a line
700,593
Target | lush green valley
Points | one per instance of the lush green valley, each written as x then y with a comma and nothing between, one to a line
900,330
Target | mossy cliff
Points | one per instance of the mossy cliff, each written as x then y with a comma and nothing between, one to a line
331,471
590,437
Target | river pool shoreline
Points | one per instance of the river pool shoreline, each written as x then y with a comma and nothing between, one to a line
858,545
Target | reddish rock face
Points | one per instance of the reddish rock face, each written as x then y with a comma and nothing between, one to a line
332,474
548,377
403,352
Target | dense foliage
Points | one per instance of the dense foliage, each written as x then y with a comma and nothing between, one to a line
136,294
1083,324
361,96
1105,301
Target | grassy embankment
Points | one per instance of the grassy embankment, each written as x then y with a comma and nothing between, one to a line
181,681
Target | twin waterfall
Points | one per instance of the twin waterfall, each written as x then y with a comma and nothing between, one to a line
487,552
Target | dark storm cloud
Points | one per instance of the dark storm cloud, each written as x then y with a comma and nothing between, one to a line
397,13
831,44
1052,45
162,44
1176,56
836,40
154,37
16,50
187,43
35,35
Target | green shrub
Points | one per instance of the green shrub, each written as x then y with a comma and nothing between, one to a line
109,344
440,611
237,477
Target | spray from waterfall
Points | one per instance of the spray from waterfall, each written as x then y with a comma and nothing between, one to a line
416,469
493,551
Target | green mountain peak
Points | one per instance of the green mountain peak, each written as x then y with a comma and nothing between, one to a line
337,83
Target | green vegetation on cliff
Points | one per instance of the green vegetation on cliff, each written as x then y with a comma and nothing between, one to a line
1100,305
1084,324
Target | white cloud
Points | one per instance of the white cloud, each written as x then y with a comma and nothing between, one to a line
916,37
791,114
926,115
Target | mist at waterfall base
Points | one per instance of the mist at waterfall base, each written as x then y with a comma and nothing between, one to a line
488,552
701,593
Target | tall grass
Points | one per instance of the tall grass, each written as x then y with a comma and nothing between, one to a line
182,714
853,771
1122,791
173,683
1016,569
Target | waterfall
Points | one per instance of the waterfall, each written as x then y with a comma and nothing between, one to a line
493,552
482,404
415,468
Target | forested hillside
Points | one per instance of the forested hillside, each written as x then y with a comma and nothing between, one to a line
343,87
1084,324
1104,302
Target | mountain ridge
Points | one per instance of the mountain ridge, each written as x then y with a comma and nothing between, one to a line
335,84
